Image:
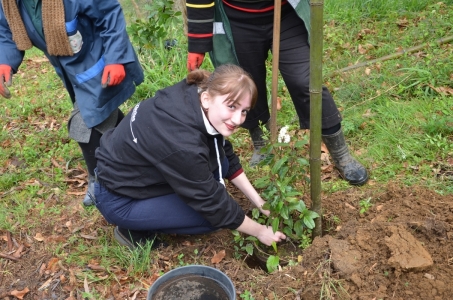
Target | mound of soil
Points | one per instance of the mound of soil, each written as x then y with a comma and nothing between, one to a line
401,248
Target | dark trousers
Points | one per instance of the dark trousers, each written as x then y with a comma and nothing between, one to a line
165,214
253,42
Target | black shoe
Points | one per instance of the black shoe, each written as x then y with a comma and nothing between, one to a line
134,238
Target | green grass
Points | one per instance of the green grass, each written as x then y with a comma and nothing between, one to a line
397,119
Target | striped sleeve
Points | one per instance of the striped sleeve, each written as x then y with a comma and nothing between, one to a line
200,19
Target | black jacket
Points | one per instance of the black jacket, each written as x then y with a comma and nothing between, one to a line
161,147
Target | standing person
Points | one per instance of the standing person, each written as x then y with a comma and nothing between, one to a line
243,34
87,44
162,169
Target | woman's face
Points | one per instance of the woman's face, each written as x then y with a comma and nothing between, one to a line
225,117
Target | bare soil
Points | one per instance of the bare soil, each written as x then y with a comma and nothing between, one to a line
401,248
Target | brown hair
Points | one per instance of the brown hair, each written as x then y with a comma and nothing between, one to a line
225,80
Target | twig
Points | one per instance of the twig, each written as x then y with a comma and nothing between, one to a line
8,257
391,56
9,241
372,98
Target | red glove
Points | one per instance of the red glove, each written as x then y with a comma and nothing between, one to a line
5,80
113,75
194,61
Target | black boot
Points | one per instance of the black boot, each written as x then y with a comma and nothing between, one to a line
350,169
134,238
89,196
258,143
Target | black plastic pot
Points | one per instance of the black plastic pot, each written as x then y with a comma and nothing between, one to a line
195,282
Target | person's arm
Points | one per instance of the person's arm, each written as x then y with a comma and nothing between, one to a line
200,19
261,232
244,185
9,54
108,18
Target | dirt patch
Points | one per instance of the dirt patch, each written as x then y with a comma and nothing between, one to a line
401,248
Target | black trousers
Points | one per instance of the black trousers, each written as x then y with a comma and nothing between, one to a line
253,41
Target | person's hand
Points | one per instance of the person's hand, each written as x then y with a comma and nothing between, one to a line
6,76
113,75
264,211
194,61
267,236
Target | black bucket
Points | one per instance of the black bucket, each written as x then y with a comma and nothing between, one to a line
195,282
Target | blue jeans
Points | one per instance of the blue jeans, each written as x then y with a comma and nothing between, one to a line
164,214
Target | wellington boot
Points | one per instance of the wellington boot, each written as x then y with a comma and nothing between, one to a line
133,238
89,196
258,143
350,169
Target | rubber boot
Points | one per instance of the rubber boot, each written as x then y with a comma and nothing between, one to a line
134,238
350,169
258,143
89,196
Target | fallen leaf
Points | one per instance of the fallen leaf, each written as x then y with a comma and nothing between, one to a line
349,206
45,284
20,294
39,237
85,285
218,257
18,252
89,237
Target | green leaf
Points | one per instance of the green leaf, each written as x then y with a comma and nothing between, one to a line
299,228
289,222
302,161
308,221
249,249
293,193
275,224
291,200
299,206
313,214
279,206
255,213
272,263
300,143
284,212
251,238
283,171
262,182
278,165
288,231
274,246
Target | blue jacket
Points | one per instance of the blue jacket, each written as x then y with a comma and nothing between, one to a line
105,41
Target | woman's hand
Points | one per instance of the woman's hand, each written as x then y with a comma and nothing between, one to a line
263,233
267,236
264,211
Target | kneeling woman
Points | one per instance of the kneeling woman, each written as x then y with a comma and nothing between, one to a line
162,169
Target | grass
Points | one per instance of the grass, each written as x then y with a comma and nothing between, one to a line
398,117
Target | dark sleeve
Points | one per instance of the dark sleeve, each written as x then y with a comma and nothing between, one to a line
187,172
200,20
9,54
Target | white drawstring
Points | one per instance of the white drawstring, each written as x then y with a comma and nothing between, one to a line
218,162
